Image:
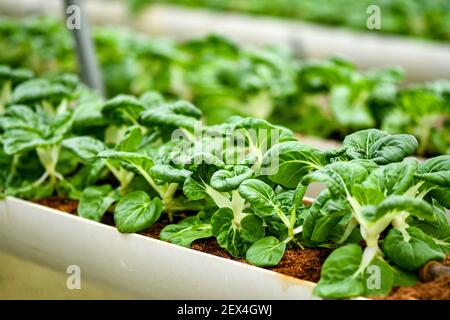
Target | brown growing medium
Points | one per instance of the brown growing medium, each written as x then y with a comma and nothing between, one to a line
66,205
304,264
438,289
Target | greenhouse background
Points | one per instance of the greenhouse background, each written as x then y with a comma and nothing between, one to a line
339,78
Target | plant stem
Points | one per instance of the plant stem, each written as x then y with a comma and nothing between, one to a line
123,176
48,156
167,199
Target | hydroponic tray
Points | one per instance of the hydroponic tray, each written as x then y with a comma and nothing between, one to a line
136,265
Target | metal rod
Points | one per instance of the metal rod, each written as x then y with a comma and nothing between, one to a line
89,70
433,270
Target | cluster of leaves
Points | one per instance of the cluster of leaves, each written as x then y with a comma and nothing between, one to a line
242,181
328,98
394,206
425,19
212,71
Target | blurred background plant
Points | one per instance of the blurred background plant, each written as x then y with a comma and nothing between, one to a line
326,98
426,19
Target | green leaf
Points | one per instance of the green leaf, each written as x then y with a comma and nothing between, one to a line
131,140
95,201
185,108
205,158
88,115
46,133
194,187
140,163
180,114
410,254
168,173
19,117
340,177
403,278
32,192
266,252
436,171
379,146
338,278
226,232
403,204
439,230
251,228
86,148
367,195
393,148
441,195
291,161
313,213
394,178
350,106
39,89
21,140
123,109
15,75
378,278
261,133
67,163
236,236
324,226
87,175
323,217
136,212
228,180
151,99
186,231
260,195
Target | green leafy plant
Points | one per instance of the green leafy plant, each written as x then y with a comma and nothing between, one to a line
413,17
25,131
326,98
389,197
9,78
241,182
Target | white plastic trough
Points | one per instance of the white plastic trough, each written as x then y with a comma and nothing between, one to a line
134,264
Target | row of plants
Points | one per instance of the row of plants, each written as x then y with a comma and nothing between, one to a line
425,19
242,181
327,98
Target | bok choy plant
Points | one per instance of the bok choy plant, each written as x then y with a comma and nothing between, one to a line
218,170
139,152
388,204
241,182
9,78
35,121
382,212
327,98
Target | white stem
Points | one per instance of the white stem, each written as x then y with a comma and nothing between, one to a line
368,255
219,199
298,230
399,223
353,223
